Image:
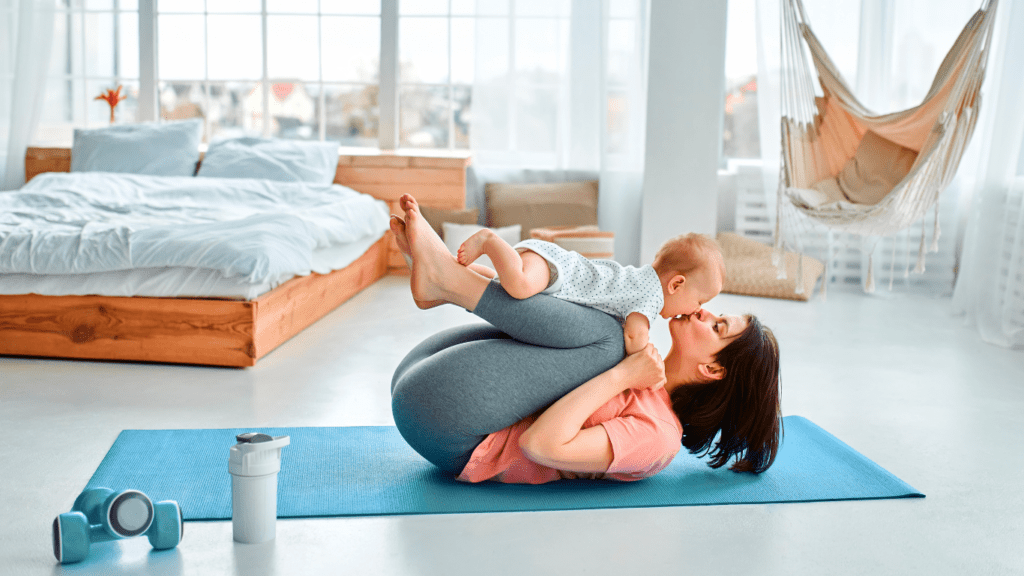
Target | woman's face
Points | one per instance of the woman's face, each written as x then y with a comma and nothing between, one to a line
697,339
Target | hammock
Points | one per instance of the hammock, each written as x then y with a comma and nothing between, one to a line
871,175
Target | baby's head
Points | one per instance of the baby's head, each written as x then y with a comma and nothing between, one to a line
691,270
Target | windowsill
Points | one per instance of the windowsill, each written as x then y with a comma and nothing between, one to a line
404,152
342,150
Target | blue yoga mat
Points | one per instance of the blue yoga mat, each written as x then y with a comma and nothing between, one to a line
370,470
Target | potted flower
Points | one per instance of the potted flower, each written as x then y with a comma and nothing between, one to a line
113,98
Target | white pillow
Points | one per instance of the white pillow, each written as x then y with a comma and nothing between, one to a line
155,148
455,234
272,159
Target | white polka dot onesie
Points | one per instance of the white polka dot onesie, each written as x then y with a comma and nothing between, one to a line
602,284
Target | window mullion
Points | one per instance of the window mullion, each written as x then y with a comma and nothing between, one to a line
69,67
513,79
266,78
451,84
387,99
117,42
85,86
147,106
322,99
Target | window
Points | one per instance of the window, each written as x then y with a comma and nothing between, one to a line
285,68
436,61
304,69
740,134
523,48
95,48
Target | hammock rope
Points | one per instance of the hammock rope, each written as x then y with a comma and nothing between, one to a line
820,135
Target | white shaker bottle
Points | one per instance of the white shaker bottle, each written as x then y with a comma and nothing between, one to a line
254,464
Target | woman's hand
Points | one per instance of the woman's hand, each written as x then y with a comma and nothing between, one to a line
644,369
557,438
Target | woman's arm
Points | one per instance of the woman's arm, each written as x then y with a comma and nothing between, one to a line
557,438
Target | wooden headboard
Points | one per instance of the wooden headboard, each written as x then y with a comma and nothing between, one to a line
435,180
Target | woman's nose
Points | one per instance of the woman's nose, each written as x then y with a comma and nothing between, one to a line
703,315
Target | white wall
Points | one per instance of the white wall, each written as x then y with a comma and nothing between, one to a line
685,99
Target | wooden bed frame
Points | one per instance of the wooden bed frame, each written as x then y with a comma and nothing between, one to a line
219,332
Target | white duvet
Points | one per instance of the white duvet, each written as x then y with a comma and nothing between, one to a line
248,229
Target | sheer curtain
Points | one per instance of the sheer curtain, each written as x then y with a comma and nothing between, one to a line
889,51
26,31
559,94
990,285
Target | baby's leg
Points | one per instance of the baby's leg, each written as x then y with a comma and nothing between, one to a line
522,275
483,271
533,278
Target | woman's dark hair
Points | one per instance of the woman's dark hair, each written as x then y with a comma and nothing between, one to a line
742,409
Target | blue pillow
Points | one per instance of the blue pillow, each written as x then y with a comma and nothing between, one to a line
155,148
273,159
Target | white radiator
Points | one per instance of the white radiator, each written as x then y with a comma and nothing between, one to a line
741,188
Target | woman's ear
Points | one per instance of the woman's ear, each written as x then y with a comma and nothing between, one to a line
712,371
676,283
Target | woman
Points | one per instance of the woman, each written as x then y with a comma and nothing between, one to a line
544,392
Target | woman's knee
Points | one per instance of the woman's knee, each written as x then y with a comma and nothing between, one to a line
611,343
428,429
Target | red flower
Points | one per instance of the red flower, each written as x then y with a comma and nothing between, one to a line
113,98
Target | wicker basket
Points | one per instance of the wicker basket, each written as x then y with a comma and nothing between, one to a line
749,270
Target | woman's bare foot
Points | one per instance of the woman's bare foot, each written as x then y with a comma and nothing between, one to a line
473,247
434,269
398,229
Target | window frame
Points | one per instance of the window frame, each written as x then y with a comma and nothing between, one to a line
389,83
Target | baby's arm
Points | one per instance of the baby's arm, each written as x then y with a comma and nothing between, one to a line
636,332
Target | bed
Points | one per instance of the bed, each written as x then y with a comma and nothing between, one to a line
220,331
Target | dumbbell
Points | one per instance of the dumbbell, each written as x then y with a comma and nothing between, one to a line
102,515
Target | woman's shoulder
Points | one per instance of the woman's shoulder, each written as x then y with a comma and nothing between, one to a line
642,416
656,404
645,438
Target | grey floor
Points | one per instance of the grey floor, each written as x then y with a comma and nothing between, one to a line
898,378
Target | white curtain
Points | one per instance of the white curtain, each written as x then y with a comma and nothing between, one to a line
990,285
26,32
560,93
888,51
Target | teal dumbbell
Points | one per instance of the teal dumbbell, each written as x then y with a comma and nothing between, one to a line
102,515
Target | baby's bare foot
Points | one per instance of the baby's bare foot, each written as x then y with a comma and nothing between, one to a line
473,247
432,263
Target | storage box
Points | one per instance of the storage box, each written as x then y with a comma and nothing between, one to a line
589,241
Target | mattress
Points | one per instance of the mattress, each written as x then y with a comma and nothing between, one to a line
177,282
131,235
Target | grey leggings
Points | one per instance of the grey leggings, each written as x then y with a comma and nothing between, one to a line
461,384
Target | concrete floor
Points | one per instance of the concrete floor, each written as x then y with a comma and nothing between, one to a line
897,378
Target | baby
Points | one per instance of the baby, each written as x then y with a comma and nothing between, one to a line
687,271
